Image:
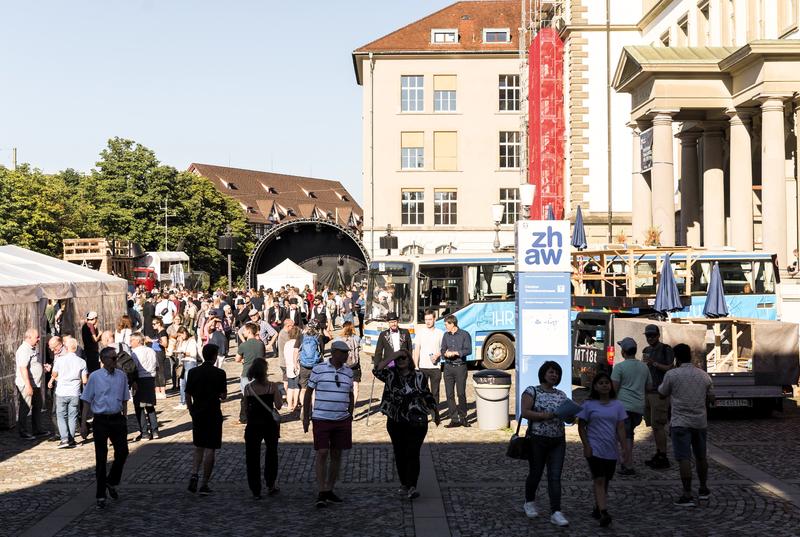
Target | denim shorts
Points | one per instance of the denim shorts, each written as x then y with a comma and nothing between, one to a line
686,440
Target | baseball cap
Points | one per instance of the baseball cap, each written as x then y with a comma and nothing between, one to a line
91,315
651,329
627,344
339,345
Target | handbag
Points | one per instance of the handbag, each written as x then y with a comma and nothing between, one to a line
519,446
272,411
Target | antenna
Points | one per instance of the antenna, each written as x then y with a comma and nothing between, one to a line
167,216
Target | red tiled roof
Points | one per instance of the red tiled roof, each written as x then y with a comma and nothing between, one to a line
259,192
470,18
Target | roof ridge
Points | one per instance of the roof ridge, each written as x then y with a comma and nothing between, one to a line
265,172
412,24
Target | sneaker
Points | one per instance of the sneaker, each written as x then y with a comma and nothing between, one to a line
558,519
685,501
626,471
413,493
530,510
101,503
332,498
181,406
320,503
402,491
595,513
64,444
703,493
40,434
193,483
27,436
205,491
155,436
137,438
658,462
112,491
272,491
605,519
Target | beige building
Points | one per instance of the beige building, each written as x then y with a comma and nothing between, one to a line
441,129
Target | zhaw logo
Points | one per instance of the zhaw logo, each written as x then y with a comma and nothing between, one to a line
543,251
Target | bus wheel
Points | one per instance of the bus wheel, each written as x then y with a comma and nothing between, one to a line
498,352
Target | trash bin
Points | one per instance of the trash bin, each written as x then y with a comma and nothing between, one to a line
491,398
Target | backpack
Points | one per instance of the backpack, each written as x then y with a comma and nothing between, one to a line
309,351
127,364
353,357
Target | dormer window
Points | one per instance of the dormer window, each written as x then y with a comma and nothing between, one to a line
496,35
229,186
309,193
444,36
269,189
342,197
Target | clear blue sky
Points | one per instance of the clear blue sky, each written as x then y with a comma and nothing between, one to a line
266,85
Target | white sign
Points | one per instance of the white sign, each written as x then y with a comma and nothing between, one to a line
543,246
546,332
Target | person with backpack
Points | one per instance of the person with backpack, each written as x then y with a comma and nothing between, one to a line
310,345
407,401
659,358
354,355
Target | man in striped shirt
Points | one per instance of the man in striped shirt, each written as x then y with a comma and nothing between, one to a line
332,416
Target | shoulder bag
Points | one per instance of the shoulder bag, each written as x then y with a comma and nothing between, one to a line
519,446
271,409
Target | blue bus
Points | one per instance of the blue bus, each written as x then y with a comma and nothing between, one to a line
480,290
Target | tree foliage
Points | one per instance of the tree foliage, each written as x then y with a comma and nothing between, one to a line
123,197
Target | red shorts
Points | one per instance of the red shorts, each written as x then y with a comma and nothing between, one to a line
333,434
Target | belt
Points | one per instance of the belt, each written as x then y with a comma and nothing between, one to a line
108,415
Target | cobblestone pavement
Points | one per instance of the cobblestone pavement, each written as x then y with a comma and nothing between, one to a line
470,486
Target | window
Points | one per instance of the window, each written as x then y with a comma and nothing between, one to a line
787,16
445,151
490,282
496,35
412,150
440,37
412,207
444,93
703,16
682,36
509,149
509,92
269,189
259,230
665,39
509,197
411,94
445,206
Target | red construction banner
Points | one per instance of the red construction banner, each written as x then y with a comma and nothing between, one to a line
546,123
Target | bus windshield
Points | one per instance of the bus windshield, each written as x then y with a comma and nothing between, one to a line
390,290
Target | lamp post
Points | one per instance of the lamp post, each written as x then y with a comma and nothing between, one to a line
226,244
526,193
497,217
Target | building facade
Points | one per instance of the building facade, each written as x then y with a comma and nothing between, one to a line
441,129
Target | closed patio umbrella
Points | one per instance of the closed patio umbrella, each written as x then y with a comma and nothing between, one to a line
550,214
578,233
715,298
667,297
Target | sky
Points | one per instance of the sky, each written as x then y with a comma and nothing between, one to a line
264,85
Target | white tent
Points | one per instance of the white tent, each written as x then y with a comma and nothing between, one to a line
28,280
287,272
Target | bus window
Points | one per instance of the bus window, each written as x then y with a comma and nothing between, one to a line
441,290
737,277
390,290
764,277
490,282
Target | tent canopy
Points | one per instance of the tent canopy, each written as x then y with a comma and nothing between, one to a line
286,272
28,277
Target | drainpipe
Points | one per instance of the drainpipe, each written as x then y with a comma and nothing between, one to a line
608,118
372,155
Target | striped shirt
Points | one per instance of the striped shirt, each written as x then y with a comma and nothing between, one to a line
331,401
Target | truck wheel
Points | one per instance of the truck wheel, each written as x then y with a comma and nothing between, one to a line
498,352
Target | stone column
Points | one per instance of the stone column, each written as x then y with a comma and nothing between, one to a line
741,181
642,214
690,190
713,187
773,188
662,178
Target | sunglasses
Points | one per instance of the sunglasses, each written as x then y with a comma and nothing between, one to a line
336,379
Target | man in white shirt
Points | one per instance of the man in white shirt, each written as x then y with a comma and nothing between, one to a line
428,351
166,310
70,374
107,395
29,377
144,400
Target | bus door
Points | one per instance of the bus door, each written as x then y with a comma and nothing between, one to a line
441,289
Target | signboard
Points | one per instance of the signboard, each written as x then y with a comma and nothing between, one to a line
543,302
646,151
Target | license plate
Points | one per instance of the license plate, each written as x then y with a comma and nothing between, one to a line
733,402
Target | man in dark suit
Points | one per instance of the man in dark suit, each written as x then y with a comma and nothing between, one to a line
276,315
392,340
148,312
295,314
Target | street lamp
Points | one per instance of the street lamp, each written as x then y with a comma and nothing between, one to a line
526,193
497,216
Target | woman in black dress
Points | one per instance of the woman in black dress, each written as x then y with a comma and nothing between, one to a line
264,399
407,401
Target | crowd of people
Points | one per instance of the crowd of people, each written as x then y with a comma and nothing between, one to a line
318,351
